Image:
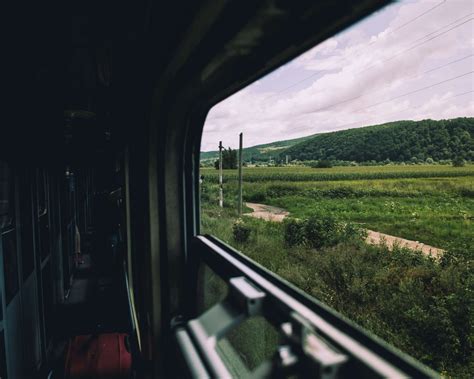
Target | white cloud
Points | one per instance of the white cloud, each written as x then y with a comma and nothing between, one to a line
372,62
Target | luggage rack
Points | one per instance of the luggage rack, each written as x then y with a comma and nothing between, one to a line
315,340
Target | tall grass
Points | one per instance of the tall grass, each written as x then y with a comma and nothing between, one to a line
422,306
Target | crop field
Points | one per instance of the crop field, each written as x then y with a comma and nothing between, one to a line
430,204
301,173
420,305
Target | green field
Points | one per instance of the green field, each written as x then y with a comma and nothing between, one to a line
430,204
418,304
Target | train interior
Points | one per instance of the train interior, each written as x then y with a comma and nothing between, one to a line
99,207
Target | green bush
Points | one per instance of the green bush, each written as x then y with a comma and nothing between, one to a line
459,162
240,231
293,232
320,231
323,163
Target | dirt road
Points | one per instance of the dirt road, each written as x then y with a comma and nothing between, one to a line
269,213
266,212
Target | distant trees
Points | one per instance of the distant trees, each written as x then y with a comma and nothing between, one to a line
459,162
322,163
229,159
399,141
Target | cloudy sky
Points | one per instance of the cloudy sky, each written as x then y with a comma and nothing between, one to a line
411,60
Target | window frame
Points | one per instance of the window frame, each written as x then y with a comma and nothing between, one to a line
227,262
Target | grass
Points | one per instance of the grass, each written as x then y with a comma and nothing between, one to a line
438,211
301,173
419,305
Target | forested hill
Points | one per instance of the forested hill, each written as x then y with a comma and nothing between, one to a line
397,141
259,152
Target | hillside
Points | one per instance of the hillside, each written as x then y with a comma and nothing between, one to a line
259,152
397,141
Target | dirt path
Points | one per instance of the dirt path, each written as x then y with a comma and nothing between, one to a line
266,212
269,213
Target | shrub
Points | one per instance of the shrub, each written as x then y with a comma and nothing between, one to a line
240,231
459,162
293,232
429,160
324,163
320,231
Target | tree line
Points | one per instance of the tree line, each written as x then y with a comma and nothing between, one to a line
398,141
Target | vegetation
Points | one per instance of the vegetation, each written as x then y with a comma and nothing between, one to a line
397,141
426,141
306,174
260,153
229,159
319,231
240,231
419,304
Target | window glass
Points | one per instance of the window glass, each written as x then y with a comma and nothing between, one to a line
357,176
212,289
249,344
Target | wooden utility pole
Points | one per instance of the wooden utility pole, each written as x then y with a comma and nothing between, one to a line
221,192
240,173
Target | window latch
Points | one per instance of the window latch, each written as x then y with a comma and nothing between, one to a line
323,357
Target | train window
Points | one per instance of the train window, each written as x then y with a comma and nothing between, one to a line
355,180
212,289
248,345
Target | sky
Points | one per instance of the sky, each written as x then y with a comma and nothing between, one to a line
410,60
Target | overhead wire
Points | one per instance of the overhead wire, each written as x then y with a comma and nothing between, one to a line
363,48
399,53
337,128
416,91
416,45
412,92
409,77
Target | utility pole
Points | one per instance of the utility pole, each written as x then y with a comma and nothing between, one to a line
287,159
240,173
221,193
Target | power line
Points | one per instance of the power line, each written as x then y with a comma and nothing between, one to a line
417,17
397,54
411,92
390,113
445,26
363,48
413,76
448,64
416,45
416,91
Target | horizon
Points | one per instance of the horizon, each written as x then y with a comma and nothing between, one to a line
335,131
326,89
